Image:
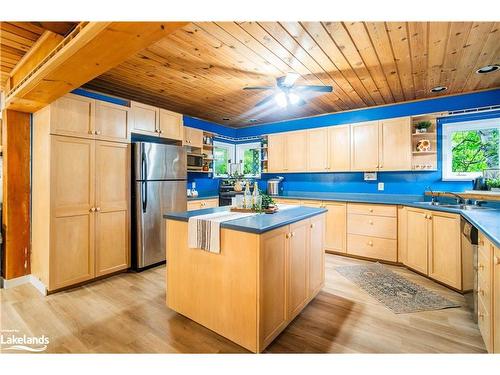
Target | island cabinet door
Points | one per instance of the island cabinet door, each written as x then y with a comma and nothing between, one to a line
316,255
298,273
496,299
272,284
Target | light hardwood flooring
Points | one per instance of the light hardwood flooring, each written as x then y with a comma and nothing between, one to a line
127,314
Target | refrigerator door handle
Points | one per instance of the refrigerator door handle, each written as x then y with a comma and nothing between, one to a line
144,195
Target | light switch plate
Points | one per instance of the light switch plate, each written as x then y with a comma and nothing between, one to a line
370,176
381,186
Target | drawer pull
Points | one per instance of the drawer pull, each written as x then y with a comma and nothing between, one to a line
481,267
370,243
370,210
370,222
481,316
496,260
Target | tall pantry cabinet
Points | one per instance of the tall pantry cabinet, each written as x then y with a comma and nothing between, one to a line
81,190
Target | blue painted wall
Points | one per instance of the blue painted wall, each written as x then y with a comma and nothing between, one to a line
395,182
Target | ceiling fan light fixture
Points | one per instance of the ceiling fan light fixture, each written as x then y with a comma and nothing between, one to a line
281,99
293,98
290,79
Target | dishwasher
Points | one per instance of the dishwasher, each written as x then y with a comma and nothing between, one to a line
469,244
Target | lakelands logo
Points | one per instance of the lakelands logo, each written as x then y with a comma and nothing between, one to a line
11,340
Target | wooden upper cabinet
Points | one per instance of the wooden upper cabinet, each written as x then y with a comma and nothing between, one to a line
171,125
145,119
418,226
395,144
73,115
193,137
112,207
339,148
297,283
317,150
276,152
496,299
365,146
316,254
72,220
296,152
445,255
111,122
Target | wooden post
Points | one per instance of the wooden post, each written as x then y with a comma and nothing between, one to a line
16,194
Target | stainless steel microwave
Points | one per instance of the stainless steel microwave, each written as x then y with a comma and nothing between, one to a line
194,162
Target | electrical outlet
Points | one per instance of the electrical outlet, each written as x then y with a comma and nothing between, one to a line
380,186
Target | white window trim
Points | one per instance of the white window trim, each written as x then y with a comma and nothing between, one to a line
232,155
240,151
447,129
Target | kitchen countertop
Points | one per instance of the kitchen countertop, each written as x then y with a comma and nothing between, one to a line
259,223
486,220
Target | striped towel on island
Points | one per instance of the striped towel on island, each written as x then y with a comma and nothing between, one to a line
204,230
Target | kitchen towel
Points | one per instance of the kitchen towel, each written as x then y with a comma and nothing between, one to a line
204,230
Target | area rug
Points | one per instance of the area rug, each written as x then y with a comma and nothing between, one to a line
393,291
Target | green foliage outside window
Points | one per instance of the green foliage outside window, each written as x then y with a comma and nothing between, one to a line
221,159
251,162
475,150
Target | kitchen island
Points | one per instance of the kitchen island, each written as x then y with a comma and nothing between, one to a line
269,268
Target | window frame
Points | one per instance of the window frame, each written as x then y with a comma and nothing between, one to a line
452,127
231,155
240,155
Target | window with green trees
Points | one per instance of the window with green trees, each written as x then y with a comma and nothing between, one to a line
469,148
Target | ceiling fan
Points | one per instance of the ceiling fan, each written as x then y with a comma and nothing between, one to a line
286,92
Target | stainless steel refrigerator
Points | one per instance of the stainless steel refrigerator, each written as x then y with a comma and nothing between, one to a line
159,186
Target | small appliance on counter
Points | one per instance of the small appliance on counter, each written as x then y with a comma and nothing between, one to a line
194,162
274,185
479,183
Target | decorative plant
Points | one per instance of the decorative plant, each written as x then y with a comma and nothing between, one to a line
266,200
423,125
493,183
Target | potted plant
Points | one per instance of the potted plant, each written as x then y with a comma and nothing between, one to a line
422,126
493,184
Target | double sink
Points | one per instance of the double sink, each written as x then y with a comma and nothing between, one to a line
458,206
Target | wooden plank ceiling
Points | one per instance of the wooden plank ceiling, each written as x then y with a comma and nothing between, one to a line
17,38
201,69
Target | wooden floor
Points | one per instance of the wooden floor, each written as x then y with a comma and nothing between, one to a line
127,314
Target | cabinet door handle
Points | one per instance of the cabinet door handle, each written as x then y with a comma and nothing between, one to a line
370,210
496,260
293,234
312,225
287,235
97,132
480,291
370,222
481,316
481,267
98,209
160,131
92,209
370,243
481,242
91,132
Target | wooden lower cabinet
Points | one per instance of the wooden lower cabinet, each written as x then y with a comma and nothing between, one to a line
202,203
292,269
273,283
335,226
445,254
298,254
417,240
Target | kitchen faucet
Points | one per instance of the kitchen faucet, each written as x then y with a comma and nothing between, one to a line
433,197
459,199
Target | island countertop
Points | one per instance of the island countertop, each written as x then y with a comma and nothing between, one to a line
259,223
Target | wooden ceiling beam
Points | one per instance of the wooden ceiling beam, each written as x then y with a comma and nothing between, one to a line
90,50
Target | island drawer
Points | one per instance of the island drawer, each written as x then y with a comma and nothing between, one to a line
372,209
372,247
377,226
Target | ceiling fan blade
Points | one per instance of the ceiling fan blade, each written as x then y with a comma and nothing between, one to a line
314,88
258,88
265,100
